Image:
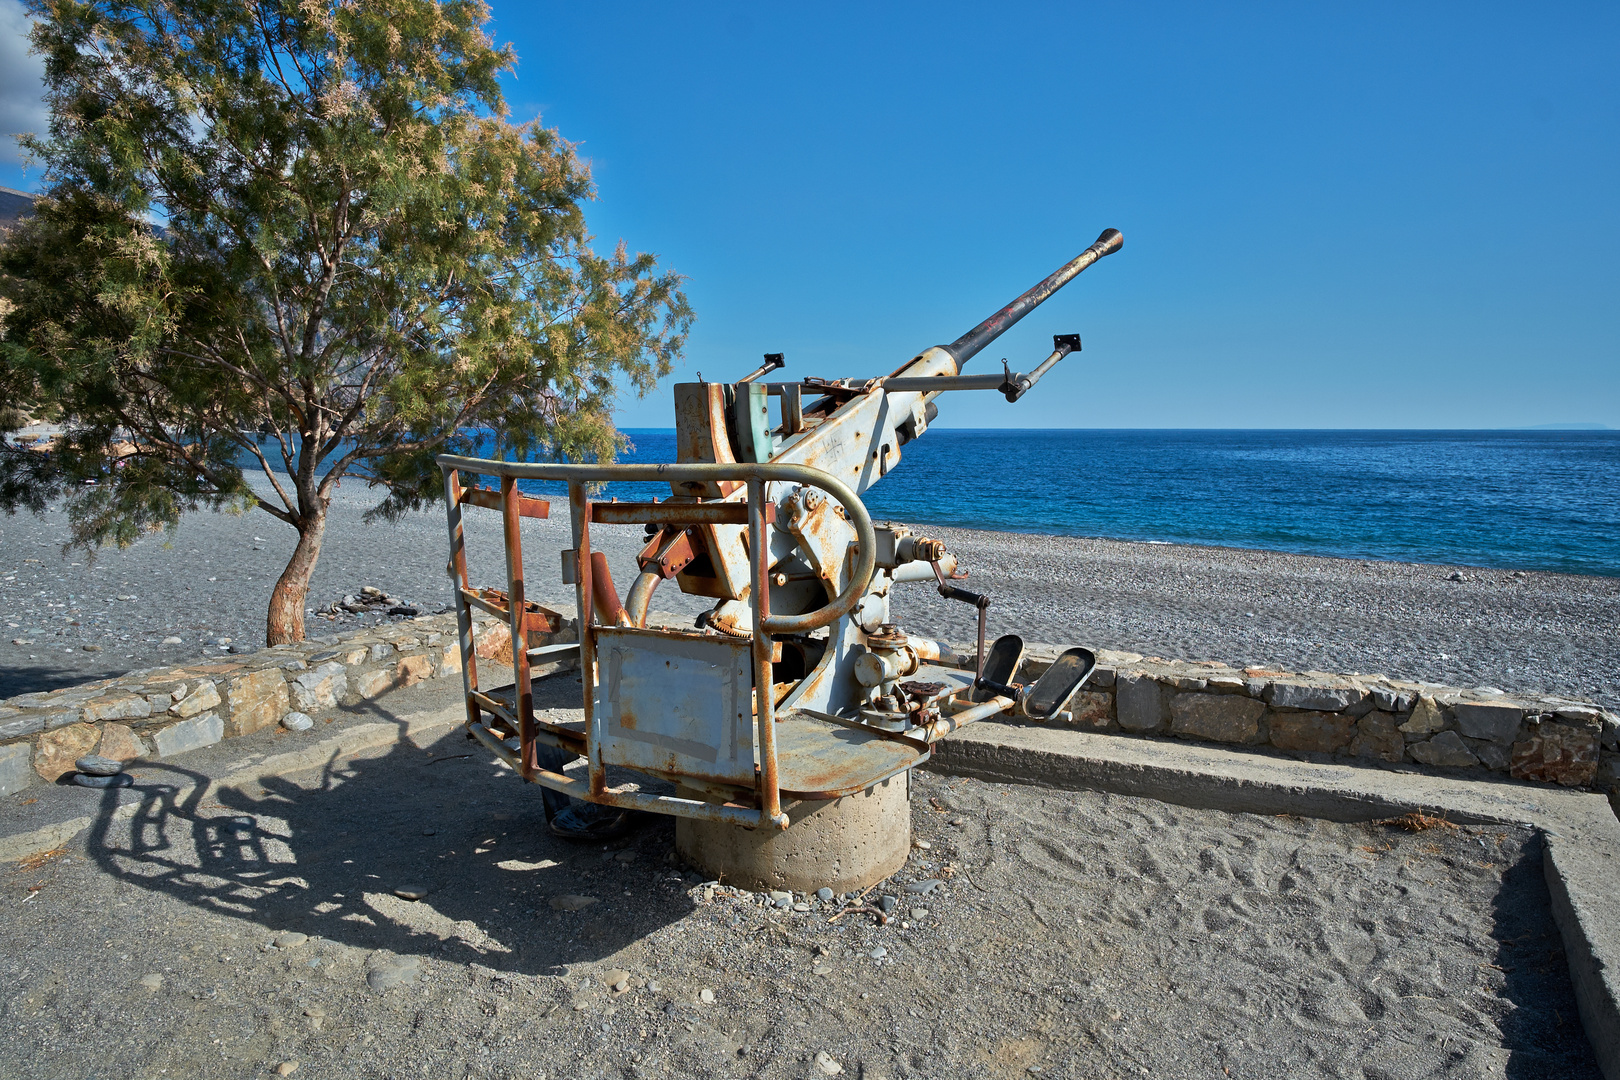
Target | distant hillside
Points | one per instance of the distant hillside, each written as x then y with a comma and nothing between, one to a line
14,204
1567,427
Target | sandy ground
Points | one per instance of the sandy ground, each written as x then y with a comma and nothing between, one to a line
211,580
1072,935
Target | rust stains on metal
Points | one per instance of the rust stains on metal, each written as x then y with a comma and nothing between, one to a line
701,436
824,537
490,499
461,583
518,625
667,553
639,599
673,513
537,617
727,813
764,699
824,760
604,597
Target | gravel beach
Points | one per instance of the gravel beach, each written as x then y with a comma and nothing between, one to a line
69,619
1517,631
261,930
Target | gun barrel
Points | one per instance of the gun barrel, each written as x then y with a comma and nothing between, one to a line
969,344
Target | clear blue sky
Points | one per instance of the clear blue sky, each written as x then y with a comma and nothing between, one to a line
1334,216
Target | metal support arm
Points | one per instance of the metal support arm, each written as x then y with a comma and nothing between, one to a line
1012,385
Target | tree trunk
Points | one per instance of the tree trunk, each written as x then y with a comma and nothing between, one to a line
286,622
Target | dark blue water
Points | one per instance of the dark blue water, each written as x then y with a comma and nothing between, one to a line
1533,500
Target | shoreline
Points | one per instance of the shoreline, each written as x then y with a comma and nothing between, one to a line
1239,549
1530,631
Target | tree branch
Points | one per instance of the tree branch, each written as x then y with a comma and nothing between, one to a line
253,445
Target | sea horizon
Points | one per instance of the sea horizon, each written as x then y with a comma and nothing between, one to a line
1534,499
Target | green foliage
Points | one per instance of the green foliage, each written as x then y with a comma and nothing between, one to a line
363,262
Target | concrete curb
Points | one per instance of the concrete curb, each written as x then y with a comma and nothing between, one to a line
1580,832
1582,878
418,729
1239,781
46,838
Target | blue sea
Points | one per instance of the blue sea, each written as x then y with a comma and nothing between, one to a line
1530,500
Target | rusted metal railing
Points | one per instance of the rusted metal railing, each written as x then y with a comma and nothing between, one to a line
750,504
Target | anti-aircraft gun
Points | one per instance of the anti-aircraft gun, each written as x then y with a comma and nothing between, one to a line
788,717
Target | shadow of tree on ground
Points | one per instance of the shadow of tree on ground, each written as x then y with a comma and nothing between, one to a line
42,678
323,854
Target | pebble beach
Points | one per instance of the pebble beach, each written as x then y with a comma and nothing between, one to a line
205,587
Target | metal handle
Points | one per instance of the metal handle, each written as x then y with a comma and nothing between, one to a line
773,360
994,687
1062,345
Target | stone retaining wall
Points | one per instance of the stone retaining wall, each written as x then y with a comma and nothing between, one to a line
161,712
1370,717
167,711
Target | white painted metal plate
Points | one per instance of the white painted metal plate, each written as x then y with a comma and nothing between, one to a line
676,703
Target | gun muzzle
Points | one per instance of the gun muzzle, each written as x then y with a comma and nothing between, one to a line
969,344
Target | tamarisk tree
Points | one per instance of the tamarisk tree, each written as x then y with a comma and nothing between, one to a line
360,263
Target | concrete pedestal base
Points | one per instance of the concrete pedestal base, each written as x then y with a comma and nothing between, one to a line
843,844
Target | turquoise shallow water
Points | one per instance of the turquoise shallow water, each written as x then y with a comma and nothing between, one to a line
1533,500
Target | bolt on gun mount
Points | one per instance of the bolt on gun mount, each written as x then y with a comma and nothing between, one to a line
796,684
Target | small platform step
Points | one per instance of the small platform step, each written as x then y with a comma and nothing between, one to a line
815,758
570,735
820,759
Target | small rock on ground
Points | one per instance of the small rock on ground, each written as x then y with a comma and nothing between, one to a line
388,972
571,902
96,765
116,780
